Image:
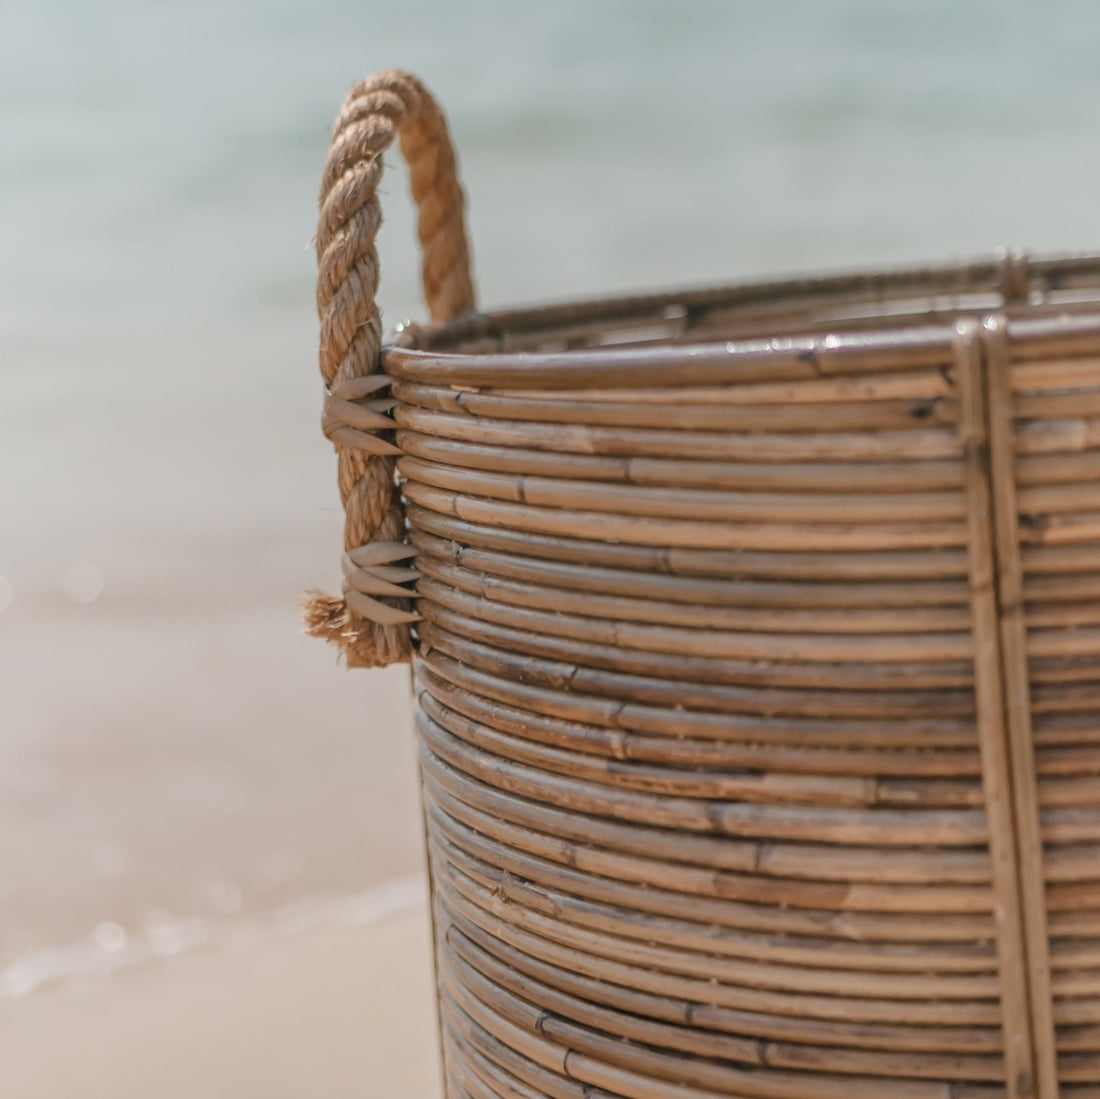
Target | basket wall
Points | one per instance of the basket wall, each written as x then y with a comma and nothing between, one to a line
758,688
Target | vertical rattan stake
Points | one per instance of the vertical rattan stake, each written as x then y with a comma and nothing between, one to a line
1017,693
996,772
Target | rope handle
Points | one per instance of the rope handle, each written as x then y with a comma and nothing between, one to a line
371,621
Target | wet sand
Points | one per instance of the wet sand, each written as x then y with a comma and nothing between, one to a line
339,1013
186,775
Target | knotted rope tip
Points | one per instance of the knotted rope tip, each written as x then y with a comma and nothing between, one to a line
363,644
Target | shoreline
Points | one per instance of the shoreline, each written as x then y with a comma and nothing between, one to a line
110,949
340,1010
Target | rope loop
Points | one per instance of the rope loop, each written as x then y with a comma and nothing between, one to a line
371,620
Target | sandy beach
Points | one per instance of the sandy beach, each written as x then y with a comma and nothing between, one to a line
340,1012
228,914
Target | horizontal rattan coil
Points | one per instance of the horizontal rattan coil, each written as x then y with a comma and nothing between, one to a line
748,686
774,1055
625,745
666,503
800,411
718,711
711,613
793,564
884,446
808,477
719,592
754,784
560,992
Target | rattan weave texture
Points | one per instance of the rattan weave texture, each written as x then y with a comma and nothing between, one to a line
757,657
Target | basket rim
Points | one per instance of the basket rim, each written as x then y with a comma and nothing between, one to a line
477,348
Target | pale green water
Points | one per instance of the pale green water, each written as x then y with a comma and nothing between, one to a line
171,745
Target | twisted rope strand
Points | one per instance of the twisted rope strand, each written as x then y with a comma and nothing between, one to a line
371,621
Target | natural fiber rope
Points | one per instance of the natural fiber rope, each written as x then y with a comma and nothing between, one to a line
371,621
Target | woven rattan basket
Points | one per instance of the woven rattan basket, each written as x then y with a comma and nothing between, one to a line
756,634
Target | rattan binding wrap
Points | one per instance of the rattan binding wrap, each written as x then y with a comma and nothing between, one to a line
758,671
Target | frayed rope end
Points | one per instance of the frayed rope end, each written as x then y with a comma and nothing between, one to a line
363,644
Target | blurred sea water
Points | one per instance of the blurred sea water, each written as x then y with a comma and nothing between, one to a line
171,750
